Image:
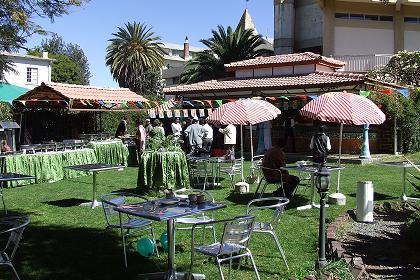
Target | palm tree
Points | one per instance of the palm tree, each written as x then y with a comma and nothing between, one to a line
225,46
132,51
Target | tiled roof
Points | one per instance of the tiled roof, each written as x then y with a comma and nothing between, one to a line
284,60
316,79
87,92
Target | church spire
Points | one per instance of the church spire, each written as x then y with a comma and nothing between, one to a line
246,22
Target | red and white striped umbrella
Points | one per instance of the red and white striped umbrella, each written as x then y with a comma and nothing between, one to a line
345,108
243,112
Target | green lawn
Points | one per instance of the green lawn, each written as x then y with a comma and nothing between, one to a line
65,241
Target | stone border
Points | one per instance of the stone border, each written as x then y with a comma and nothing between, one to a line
335,248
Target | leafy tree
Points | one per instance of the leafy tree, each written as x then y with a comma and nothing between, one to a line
133,51
16,22
65,70
403,68
226,46
76,59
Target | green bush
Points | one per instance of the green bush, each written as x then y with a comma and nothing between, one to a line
6,112
110,120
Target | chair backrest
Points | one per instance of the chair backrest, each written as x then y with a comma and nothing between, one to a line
14,226
237,231
269,203
114,199
183,193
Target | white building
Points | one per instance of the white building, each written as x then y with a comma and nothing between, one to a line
363,33
31,71
175,59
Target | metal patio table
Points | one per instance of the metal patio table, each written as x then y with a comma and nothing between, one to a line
95,168
311,170
404,165
8,177
157,210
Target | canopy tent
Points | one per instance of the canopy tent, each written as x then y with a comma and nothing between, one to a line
9,92
80,98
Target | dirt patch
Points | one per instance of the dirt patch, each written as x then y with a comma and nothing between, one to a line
386,246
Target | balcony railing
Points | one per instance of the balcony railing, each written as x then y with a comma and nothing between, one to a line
363,63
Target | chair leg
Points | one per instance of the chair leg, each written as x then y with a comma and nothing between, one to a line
123,241
191,264
214,233
253,264
230,266
280,248
14,271
258,187
2,199
154,239
219,266
263,190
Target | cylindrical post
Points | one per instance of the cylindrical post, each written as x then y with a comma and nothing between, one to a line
395,137
404,196
171,245
322,262
252,144
339,157
364,152
94,190
242,155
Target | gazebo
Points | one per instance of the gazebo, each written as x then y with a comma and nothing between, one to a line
290,77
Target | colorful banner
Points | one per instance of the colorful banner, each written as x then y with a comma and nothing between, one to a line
161,114
201,112
169,113
185,113
193,113
177,113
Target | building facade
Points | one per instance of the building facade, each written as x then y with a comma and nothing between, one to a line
30,72
363,33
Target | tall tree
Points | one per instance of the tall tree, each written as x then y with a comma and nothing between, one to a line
69,57
16,22
133,51
226,46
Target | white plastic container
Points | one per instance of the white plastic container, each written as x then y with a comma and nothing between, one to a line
364,197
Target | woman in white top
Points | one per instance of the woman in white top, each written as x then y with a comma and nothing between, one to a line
229,140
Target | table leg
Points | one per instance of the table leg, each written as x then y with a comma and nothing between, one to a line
2,184
94,201
404,178
171,249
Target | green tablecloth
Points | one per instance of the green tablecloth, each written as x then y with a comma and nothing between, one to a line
47,167
163,169
111,152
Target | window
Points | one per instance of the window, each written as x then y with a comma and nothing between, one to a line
342,16
357,16
411,20
386,18
371,17
32,75
349,16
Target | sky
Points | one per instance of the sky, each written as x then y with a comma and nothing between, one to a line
92,25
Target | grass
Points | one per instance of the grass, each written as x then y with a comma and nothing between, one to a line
66,241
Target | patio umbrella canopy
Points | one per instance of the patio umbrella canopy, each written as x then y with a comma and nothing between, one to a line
244,112
344,108
9,92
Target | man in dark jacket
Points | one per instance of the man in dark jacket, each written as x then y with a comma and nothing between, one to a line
273,159
320,145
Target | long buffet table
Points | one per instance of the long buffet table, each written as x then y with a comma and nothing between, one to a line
48,166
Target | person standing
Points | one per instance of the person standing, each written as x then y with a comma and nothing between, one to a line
140,136
156,130
122,128
162,129
289,131
320,145
176,128
195,134
148,126
273,159
208,138
229,140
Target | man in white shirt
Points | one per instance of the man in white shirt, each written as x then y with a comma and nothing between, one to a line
229,140
176,128
208,136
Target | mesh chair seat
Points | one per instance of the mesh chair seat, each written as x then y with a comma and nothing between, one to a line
214,249
132,224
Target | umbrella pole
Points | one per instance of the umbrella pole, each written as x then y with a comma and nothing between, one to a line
242,155
252,146
339,156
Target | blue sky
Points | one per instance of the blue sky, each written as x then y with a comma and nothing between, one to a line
92,25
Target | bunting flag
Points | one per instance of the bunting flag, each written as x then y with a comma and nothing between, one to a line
169,113
87,102
71,102
81,101
161,114
219,102
404,92
66,104
209,111
386,91
188,103
152,113
139,104
209,102
271,98
185,113
364,93
201,112
177,113
23,102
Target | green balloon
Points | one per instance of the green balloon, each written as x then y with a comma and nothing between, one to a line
146,247
164,240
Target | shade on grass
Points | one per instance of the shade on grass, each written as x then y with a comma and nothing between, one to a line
9,92
66,241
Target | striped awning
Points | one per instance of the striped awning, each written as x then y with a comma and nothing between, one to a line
243,112
343,107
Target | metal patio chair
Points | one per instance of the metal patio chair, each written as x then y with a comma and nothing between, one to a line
266,182
274,204
233,244
233,170
186,223
129,225
14,227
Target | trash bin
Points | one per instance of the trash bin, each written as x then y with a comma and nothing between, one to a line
364,196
